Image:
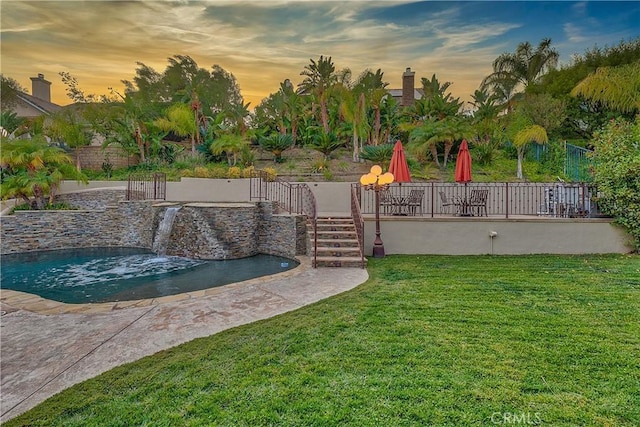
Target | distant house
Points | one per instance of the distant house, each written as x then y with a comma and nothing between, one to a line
408,94
37,104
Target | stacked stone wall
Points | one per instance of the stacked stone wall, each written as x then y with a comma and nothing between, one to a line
93,199
200,230
125,225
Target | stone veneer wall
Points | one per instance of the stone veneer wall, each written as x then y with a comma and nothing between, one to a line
93,199
128,224
92,157
201,230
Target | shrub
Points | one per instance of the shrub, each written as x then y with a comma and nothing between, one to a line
616,160
271,173
276,143
201,172
378,153
234,172
248,172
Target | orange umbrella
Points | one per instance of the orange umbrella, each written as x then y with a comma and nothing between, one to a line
398,166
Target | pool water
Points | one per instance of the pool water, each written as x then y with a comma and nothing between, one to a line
92,275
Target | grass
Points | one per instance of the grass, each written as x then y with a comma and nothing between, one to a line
427,340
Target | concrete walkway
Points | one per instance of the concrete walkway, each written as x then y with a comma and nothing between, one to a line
46,346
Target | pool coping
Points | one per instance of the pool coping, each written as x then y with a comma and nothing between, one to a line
36,304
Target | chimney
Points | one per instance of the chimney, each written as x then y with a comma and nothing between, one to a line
408,87
40,88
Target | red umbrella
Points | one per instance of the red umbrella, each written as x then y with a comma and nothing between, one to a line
398,166
463,171
463,164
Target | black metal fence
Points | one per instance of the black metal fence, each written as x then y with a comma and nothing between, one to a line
506,199
147,186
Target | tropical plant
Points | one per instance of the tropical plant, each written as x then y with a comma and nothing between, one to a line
432,132
326,143
319,77
354,111
182,120
514,72
34,169
521,131
10,122
231,145
69,127
616,162
615,87
276,143
380,154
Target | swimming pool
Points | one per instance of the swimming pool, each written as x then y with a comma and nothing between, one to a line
92,275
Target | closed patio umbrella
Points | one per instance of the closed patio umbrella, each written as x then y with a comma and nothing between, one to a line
398,166
463,169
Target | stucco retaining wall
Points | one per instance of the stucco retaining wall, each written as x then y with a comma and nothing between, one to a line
517,236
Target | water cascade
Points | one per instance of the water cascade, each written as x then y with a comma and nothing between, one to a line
161,239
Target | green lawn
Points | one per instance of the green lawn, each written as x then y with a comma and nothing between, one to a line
428,340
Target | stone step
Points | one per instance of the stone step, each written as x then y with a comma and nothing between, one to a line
338,252
335,235
335,227
328,261
334,221
340,243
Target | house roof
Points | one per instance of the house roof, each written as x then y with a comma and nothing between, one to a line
397,93
44,107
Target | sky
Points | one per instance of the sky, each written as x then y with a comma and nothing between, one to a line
262,43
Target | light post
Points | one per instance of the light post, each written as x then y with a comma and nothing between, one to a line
375,180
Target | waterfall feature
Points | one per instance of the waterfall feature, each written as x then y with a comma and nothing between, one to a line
161,239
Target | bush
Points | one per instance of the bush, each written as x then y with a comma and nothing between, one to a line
234,172
248,172
201,172
271,173
378,153
616,160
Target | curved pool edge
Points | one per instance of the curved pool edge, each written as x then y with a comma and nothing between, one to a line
18,300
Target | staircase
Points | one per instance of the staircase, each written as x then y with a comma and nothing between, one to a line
337,243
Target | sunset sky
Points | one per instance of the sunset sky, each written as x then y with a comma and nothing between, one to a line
263,43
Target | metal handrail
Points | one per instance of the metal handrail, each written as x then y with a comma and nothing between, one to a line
358,221
293,198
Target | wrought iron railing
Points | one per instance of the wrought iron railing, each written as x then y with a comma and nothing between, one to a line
358,221
290,197
506,199
147,186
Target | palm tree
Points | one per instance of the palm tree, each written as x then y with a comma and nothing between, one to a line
68,126
521,131
354,111
180,120
319,77
432,132
276,143
34,169
616,87
229,144
521,69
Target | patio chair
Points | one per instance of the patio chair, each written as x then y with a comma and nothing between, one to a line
446,203
387,201
478,201
414,202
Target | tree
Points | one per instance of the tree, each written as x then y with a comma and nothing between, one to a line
519,70
616,162
319,77
521,131
615,87
432,132
229,144
9,89
68,126
181,120
34,169
354,111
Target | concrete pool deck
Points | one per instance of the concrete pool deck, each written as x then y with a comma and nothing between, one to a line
48,346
